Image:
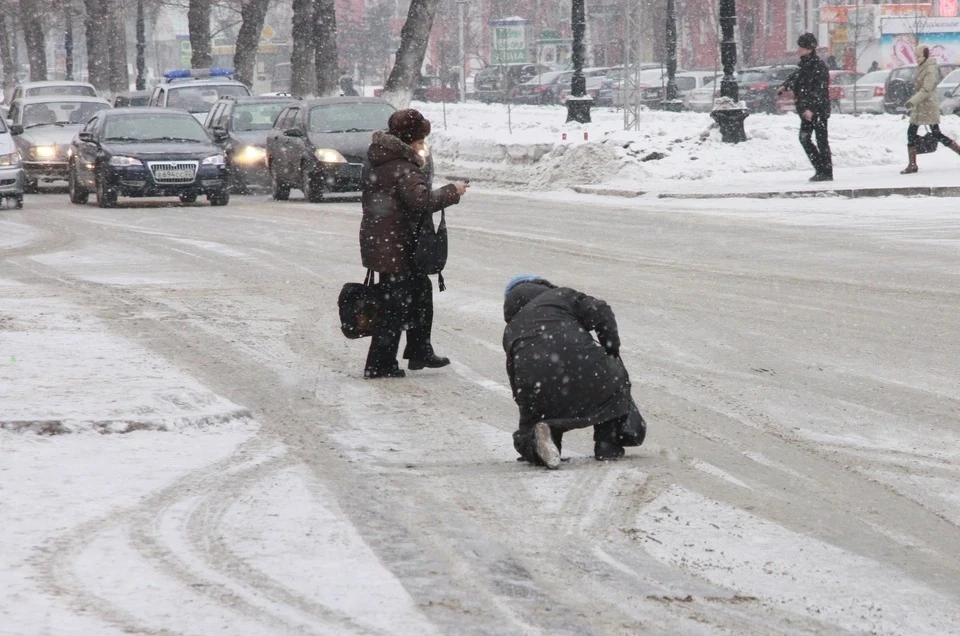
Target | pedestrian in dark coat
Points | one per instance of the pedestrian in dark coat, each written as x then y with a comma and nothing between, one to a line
811,93
561,377
396,200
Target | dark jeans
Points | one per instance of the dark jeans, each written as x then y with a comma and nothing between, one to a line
406,303
934,130
818,154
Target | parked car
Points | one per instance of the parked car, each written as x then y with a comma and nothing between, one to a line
543,88
900,85
240,126
869,92
840,81
139,152
196,90
650,83
951,105
701,100
686,81
594,86
319,145
758,86
11,170
43,128
495,83
947,86
431,89
52,88
131,99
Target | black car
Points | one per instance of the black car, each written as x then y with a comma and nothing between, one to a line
496,83
758,86
319,145
242,124
146,152
131,98
899,86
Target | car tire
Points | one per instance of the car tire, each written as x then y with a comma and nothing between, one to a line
281,191
106,198
188,197
78,194
219,198
31,186
312,190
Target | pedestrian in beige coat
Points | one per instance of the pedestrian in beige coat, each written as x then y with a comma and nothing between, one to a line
925,107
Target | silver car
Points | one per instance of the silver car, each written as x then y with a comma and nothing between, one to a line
11,171
43,128
869,91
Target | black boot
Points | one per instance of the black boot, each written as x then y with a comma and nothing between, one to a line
432,361
606,445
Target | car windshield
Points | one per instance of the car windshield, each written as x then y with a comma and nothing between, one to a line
686,83
749,77
42,91
200,99
247,117
351,117
876,77
59,113
157,128
952,78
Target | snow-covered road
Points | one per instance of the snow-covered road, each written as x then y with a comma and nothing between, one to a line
797,362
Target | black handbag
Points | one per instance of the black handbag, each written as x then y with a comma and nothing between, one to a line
359,305
430,250
927,143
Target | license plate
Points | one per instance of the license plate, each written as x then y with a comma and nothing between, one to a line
174,175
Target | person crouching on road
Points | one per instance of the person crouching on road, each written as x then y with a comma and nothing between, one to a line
811,92
925,108
562,379
396,197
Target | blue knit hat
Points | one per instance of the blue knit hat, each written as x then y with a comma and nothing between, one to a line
522,278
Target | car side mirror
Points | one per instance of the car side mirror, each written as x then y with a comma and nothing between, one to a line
86,135
220,133
293,132
16,129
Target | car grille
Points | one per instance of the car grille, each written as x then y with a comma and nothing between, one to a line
173,172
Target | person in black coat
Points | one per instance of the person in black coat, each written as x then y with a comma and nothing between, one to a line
561,377
811,92
397,198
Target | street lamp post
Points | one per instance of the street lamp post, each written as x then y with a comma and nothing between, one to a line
578,103
727,111
671,98
463,58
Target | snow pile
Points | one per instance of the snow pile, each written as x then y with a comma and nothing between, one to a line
526,148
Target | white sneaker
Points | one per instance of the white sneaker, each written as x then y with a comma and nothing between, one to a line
546,449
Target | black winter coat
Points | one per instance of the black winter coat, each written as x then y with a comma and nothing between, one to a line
811,86
396,197
556,368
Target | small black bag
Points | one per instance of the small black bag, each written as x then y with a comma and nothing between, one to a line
927,143
430,251
359,305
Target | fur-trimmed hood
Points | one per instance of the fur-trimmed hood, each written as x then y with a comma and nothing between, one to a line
385,148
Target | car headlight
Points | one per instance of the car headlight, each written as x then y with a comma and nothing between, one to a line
214,160
13,159
329,155
43,152
120,162
251,154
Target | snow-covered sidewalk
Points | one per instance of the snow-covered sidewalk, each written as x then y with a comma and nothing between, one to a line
532,148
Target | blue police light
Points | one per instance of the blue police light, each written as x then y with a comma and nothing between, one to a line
221,72
180,73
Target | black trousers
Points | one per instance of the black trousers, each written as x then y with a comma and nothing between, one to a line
608,431
406,303
819,153
912,135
